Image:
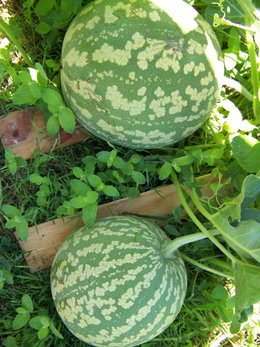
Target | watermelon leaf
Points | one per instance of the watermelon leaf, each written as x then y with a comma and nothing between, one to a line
247,282
246,151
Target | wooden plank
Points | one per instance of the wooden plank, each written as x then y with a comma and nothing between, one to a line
24,132
41,246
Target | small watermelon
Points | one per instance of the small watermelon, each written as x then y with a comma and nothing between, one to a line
112,284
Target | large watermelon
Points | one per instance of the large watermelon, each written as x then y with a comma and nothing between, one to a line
141,74
113,286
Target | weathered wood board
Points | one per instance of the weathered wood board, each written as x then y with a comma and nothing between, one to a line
24,132
44,239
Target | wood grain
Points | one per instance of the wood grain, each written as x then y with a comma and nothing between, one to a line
24,132
44,239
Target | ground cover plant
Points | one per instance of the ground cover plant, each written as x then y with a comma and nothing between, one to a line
80,177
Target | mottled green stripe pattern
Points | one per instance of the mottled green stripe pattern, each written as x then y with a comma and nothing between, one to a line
141,74
112,285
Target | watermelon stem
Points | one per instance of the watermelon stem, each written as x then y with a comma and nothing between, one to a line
205,267
229,82
174,245
196,221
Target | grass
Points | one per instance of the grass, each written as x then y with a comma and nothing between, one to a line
204,320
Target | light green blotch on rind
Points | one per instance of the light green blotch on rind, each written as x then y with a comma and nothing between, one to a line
146,240
119,35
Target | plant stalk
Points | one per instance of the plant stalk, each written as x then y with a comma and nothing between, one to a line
229,82
174,245
5,28
195,220
254,76
248,8
205,267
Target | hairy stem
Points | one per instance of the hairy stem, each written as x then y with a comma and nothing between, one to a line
205,267
248,8
174,245
195,220
229,82
254,76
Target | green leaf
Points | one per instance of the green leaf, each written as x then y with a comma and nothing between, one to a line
111,157
244,238
8,277
53,126
10,224
45,321
9,155
90,164
42,28
138,177
42,78
53,99
10,341
77,202
21,310
246,151
135,159
11,161
91,197
55,331
20,321
10,211
249,192
36,179
27,94
36,323
40,322
22,228
119,163
219,293
27,303
234,41
103,156
111,191
12,167
55,66
89,214
78,172
212,155
67,120
44,6
165,171
21,162
94,180
24,77
133,192
79,187
247,282
43,333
